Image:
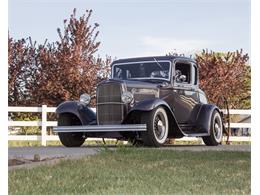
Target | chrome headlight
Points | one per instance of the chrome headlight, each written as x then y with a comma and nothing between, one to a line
84,98
127,97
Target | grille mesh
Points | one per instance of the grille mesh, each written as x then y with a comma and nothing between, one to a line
109,106
140,97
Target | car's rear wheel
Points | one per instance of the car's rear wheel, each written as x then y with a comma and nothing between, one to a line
157,127
70,139
216,130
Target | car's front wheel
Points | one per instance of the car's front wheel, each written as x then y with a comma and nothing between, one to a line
216,130
70,139
157,127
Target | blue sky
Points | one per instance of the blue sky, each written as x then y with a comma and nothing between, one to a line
141,27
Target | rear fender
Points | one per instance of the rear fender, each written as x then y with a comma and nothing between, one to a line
84,113
204,117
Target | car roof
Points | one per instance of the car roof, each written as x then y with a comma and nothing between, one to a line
152,58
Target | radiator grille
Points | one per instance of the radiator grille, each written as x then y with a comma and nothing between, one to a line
109,106
140,97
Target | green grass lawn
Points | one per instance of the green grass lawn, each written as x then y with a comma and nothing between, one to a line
139,171
58,143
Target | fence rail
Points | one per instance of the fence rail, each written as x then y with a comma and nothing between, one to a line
44,124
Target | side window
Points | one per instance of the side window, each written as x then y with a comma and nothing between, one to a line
128,74
183,73
194,74
118,73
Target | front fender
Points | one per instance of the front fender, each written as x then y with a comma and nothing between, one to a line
148,105
84,113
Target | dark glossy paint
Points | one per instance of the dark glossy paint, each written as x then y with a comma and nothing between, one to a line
85,114
150,104
204,117
186,104
184,100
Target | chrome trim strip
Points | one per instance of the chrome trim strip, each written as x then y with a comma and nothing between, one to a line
136,62
196,134
100,128
110,103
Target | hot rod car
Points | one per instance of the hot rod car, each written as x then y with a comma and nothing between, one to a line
146,100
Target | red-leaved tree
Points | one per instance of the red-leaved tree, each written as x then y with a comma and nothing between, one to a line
54,72
225,74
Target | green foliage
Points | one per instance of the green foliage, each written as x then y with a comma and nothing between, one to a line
26,117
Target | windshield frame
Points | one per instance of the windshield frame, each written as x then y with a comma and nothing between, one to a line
145,78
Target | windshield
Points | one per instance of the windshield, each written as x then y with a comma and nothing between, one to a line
142,70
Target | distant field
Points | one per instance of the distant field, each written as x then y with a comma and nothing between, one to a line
139,171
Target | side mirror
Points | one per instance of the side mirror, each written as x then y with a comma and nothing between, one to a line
183,78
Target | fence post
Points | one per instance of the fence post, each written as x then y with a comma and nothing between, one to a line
44,125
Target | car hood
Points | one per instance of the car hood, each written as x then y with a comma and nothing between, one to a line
140,89
141,84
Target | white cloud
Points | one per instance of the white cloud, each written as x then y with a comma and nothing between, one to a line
161,46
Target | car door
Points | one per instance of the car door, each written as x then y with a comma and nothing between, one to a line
185,91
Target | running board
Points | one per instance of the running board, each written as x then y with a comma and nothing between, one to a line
197,134
100,128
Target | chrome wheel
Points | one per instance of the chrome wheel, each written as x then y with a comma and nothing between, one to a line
157,127
215,131
160,125
218,128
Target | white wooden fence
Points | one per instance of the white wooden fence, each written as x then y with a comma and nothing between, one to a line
44,124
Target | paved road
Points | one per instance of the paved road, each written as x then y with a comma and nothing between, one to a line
50,152
59,151
29,157
24,157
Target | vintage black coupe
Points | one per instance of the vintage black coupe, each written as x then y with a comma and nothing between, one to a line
147,100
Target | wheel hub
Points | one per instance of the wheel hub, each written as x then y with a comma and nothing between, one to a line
217,130
159,128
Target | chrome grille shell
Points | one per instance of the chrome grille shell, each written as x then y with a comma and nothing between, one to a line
110,108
